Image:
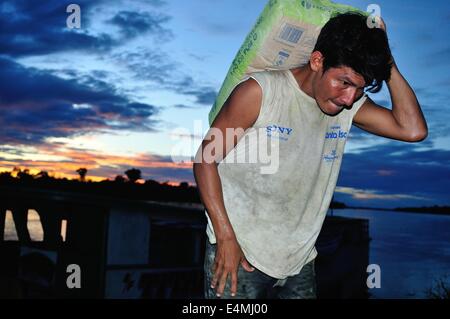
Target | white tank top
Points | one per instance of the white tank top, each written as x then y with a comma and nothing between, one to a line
277,212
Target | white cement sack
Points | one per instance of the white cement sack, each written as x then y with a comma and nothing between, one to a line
283,38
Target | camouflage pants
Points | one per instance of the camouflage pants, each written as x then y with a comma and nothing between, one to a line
257,285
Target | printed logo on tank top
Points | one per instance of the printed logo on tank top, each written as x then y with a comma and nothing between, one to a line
279,132
330,157
335,132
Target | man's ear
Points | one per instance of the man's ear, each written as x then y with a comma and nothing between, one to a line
316,61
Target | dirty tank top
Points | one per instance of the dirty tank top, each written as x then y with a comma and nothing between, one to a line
277,204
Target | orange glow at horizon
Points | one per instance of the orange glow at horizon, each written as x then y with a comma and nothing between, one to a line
92,161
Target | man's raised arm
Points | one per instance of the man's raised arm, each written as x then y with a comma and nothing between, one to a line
405,122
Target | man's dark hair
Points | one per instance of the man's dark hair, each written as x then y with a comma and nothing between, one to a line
346,40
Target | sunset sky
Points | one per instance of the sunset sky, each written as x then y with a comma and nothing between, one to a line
138,79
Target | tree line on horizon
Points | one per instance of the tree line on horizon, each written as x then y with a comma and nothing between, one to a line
124,186
133,174
127,187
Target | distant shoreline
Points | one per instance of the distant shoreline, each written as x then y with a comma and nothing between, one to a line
149,190
435,210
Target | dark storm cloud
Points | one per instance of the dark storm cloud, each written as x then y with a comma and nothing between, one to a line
156,67
30,28
38,28
44,105
133,24
398,168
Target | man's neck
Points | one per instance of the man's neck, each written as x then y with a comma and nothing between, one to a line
304,77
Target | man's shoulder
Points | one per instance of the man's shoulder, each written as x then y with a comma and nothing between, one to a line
243,105
251,84
269,73
270,78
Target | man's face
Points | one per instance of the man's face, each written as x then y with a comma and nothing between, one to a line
338,88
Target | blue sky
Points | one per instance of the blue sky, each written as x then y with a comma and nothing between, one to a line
129,85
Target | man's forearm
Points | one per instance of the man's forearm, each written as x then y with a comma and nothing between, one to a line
210,188
405,107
